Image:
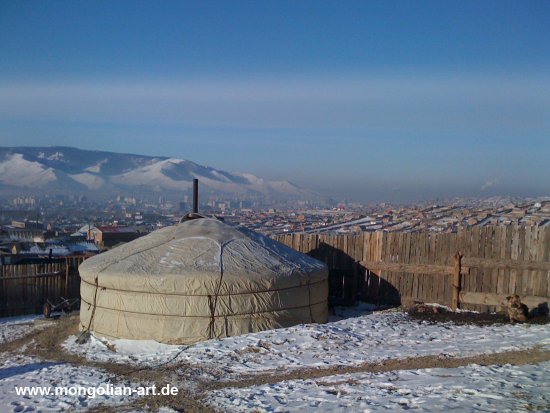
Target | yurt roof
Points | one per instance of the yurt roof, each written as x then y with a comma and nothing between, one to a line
195,254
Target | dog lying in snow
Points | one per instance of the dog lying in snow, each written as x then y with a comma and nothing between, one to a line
516,310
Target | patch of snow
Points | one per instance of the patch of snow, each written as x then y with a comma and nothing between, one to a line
221,176
144,352
12,328
35,249
17,171
23,371
97,167
58,156
166,410
90,180
480,388
447,308
263,185
152,175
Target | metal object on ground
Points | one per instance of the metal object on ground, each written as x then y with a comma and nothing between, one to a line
64,304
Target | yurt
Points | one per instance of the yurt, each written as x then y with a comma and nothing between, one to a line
198,280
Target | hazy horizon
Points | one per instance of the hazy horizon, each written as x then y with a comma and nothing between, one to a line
373,101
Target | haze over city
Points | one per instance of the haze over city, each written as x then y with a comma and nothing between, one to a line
372,101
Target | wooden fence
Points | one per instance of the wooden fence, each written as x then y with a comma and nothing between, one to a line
401,267
24,288
389,267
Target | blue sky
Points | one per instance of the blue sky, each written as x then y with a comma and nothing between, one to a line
365,100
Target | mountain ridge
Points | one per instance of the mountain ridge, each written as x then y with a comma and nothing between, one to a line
70,169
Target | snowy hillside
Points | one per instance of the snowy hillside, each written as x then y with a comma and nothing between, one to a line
75,169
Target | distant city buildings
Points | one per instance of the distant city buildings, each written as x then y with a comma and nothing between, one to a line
59,225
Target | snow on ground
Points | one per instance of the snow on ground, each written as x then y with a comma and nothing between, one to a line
13,328
18,370
142,352
21,371
471,388
368,338
354,336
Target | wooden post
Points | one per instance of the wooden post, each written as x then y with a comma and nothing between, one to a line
456,281
67,293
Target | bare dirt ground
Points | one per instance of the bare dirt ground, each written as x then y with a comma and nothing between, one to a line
46,344
441,315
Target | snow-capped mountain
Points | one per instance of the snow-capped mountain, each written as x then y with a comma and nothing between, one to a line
72,169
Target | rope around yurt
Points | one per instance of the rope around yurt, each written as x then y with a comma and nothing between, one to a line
213,303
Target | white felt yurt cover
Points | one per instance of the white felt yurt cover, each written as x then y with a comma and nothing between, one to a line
198,280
